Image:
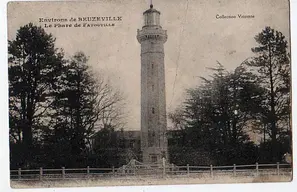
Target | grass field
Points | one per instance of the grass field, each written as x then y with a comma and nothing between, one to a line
133,181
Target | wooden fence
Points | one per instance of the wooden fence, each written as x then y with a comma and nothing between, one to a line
169,170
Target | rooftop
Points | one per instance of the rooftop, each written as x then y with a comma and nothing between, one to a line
151,10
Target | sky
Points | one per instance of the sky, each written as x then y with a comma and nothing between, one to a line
196,38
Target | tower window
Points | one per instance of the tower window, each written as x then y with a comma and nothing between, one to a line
131,143
153,110
152,68
154,158
153,87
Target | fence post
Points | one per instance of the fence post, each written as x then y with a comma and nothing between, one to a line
211,171
19,173
88,171
113,172
164,170
164,166
40,173
234,170
124,169
63,172
188,170
257,169
277,166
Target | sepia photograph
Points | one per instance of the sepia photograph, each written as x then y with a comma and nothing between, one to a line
149,92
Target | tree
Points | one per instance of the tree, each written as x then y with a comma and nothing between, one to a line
216,114
82,100
34,67
179,122
106,148
273,68
74,111
111,105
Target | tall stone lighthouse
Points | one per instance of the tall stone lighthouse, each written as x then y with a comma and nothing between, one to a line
153,103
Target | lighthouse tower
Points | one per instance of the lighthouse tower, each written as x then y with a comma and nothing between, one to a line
153,103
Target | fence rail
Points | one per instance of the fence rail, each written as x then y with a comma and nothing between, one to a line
170,170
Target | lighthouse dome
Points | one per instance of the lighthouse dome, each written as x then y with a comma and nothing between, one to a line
151,17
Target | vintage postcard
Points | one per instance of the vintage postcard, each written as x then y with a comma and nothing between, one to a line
162,92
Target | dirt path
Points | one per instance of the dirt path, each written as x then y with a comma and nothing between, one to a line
145,181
